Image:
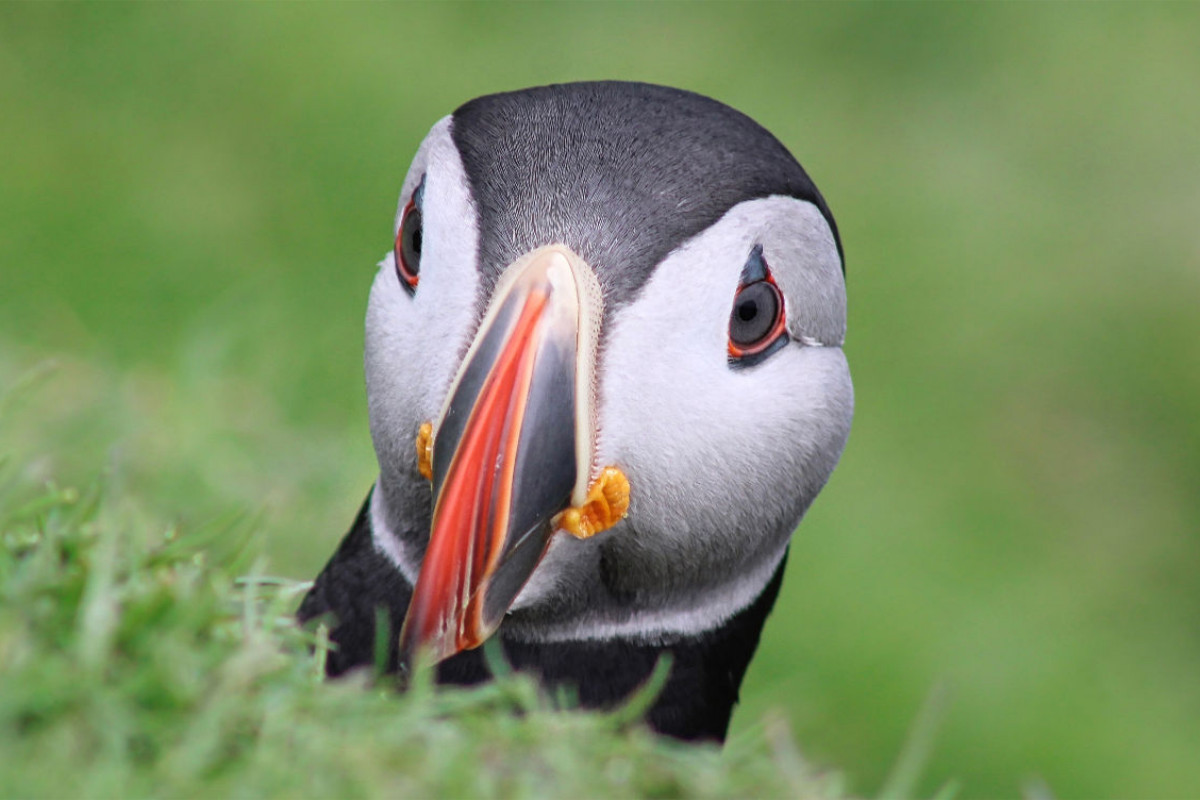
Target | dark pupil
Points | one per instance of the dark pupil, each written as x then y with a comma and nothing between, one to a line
753,314
412,241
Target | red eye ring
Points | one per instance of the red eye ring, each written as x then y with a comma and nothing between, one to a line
407,248
749,334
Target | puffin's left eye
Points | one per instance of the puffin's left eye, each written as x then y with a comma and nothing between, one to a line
755,314
758,323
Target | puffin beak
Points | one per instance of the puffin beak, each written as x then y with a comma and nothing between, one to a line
513,448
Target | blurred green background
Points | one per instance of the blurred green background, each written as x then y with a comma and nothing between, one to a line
193,198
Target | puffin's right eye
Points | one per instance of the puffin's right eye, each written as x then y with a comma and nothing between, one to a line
408,247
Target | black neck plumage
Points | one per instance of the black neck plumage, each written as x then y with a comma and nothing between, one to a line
360,585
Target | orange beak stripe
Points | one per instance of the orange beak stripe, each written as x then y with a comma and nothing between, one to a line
472,508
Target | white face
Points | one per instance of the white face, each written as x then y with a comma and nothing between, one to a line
722,462
414,342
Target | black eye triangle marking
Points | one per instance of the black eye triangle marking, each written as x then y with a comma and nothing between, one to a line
418,197
756,267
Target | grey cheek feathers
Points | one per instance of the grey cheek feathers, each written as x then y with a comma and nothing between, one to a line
400,552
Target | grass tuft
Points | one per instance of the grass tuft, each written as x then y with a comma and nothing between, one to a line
139,659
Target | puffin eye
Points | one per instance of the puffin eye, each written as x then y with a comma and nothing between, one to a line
755,314
757,324
408,247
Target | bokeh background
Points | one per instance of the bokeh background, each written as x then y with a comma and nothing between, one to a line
193,198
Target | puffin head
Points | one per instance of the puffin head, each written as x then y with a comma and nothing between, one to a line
600,293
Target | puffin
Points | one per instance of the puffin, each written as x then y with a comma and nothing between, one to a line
605,381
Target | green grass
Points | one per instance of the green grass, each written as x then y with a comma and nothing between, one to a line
142,659
192,200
